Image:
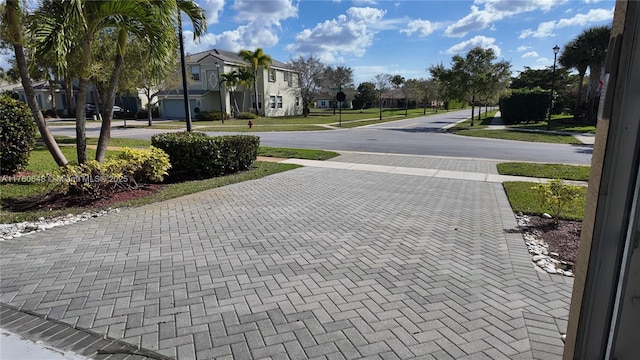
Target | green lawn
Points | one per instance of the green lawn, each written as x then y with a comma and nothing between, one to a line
289,153
528,201
521,136
115,142
300,123
485,120
558,123
549,171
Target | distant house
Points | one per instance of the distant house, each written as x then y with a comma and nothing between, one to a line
324,103
278,90
46,96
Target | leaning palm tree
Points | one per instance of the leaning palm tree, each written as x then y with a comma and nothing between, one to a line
574,56
256,59
14,33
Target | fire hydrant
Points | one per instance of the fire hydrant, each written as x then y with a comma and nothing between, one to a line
250,123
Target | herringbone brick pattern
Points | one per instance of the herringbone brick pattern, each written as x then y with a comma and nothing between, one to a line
311,263
423,162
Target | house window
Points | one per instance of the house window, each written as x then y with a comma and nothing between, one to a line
195,72
272,75
272,101
253,100
279,100
297,101
286,76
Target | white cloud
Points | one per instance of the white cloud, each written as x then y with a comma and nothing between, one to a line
244,37
530,54
543,60
260,29
364,2
594,15
477,41
421,27
546,29
493,11
267,12
213,9
522,48
348,34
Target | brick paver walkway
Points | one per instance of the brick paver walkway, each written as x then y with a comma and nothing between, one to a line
311,263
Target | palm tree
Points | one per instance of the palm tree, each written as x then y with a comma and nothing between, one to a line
397,80
573,56
256,59
151,21
155,26
596,40
13,22
231,80
245,78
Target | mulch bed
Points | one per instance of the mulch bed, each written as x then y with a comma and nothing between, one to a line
63,201
563,238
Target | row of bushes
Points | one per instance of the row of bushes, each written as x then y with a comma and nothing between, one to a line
524,105
216,115
197,154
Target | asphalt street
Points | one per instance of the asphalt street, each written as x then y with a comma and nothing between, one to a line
415,136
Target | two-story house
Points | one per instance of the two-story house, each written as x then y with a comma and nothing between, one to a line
278,90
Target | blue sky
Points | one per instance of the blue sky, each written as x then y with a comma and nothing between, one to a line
398,37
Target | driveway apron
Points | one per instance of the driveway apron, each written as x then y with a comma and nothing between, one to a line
310,263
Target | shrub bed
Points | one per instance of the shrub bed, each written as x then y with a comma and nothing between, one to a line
195,154
94,180
17,134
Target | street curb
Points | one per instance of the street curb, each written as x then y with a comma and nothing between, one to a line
60,335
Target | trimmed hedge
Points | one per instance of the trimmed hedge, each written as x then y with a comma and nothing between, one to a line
246,116
525,105
17,135
209,116
195,154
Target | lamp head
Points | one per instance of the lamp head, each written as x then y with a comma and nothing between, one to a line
556,49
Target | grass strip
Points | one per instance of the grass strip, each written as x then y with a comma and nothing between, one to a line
289,153
521,136
549,171
528,201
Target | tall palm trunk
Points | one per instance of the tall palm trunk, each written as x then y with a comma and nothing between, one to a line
107,111
68,91
594,84
576,108
81,134
255,89
14,28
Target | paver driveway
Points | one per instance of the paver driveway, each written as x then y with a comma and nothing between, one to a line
311,263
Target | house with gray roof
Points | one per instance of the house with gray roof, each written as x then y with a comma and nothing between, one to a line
278,89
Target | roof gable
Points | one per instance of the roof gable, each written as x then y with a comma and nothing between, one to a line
229,57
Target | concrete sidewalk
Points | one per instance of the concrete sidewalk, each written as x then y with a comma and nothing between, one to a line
363,261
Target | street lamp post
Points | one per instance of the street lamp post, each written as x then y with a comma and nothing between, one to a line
553,79
185,86
220,92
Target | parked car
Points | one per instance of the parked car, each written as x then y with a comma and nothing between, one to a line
90,110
